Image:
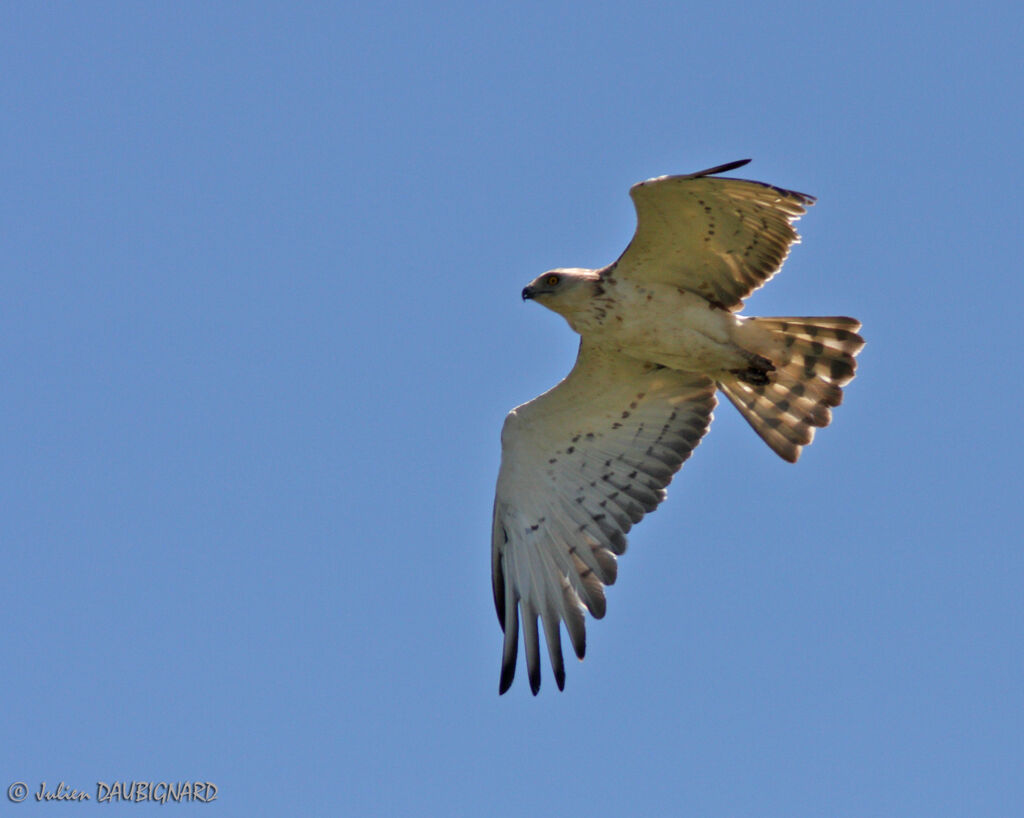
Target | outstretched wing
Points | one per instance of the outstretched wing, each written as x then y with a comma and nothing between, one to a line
580,465
721,238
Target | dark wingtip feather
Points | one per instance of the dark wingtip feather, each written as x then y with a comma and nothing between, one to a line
531,639
553,634
508,673
510,650
739,163
498,585
577,635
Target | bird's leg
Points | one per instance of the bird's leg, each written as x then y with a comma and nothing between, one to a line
756,372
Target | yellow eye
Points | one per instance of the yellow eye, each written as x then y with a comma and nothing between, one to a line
552,281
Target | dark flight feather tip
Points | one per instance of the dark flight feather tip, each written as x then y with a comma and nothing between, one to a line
739,163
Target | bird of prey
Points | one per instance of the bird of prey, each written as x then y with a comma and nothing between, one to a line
659,333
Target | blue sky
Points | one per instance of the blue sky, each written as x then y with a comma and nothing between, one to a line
260,324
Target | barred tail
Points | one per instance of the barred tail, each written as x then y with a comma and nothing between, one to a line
813,358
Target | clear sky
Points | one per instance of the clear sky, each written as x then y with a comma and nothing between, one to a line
259,327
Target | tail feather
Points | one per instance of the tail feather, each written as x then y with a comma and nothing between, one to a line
813,359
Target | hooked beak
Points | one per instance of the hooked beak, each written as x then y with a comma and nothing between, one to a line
527,293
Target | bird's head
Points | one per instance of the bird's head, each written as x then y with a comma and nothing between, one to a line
565,290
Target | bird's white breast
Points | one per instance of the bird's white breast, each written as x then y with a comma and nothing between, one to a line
664,324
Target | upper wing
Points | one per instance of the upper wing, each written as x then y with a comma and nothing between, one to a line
721,238
580,464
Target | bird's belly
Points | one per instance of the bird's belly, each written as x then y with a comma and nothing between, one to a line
674,328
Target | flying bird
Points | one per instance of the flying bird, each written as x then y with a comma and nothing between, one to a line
659,334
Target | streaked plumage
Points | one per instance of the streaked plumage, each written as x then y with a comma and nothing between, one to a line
586,460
